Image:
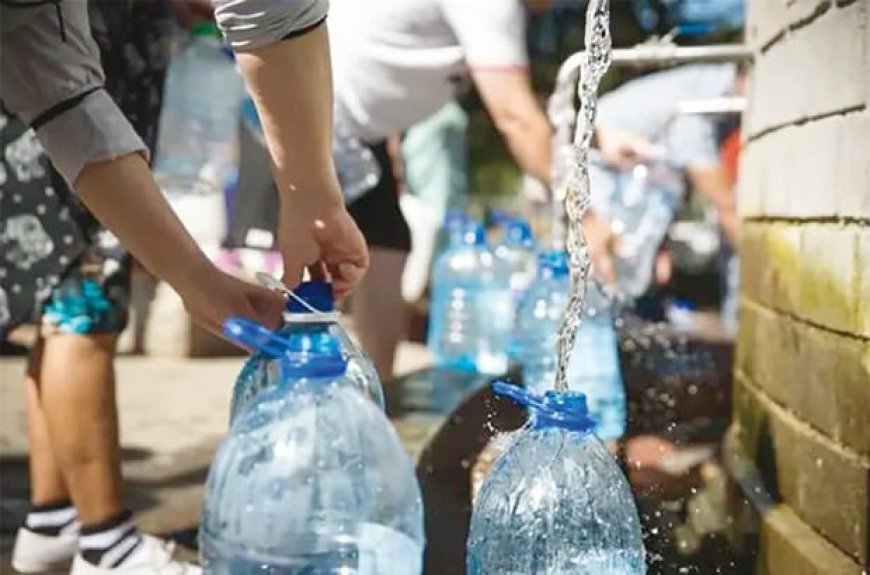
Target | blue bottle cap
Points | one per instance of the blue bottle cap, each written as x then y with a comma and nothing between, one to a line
318,356
455,218
566,410
553,263
500,217
317,294
474,234
519,233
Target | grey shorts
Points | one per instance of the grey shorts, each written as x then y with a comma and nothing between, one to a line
249,24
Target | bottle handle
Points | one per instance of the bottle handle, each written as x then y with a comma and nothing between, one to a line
252,335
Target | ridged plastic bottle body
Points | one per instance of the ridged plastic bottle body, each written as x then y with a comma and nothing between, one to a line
555,503
312,478
471,315
198,142
261,372
641,212
594,368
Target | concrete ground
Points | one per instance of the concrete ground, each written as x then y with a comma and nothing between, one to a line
173,414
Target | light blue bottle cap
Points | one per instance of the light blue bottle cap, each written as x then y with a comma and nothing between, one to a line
500,217
566,410
474,234
455,218
302,356
519,233
553,264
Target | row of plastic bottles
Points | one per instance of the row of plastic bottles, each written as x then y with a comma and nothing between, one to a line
493,306
476,290
313,479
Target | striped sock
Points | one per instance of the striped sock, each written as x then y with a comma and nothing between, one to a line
53,519
108,544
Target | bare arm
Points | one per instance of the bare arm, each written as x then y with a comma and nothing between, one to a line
509,99
712,183
122,194
291,84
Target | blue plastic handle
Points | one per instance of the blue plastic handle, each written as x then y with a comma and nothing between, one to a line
250,334
566,410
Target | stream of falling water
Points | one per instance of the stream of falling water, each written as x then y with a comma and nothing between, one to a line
593,66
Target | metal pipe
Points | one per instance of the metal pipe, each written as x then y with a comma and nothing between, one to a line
667,53
712,106
658,53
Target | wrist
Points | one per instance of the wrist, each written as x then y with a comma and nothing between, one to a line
194,273
306,204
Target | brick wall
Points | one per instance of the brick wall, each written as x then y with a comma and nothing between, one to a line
802,396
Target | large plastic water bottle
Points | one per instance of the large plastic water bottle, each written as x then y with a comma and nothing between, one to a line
356,166
643,206
517,248
311,312
312,477
555,502
197,147
594,367
472,310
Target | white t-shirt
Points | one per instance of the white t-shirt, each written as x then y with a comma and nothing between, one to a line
395,62
648,107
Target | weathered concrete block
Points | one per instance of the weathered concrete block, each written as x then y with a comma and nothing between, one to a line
818,169
826,485
864,280
852,169
814,70
813,271
790,546
766,19
828,281
770,256
824,378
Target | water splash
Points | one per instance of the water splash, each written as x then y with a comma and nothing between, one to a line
595,62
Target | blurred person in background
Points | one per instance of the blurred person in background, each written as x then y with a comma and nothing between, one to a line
52,79
396,62
643,115
435,159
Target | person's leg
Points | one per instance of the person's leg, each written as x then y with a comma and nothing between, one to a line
47,484
379,310
48,539
378,307
78,399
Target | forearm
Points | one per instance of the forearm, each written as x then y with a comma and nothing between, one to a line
712,183
514,109
122,194
291,84
529,138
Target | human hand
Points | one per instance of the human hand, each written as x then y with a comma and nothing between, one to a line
622,150
214,296
328,242
600,242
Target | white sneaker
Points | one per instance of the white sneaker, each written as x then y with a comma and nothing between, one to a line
37,553
153,556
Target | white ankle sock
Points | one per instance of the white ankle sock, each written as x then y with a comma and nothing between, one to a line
110,543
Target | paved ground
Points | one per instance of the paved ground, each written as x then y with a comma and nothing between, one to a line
173,413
